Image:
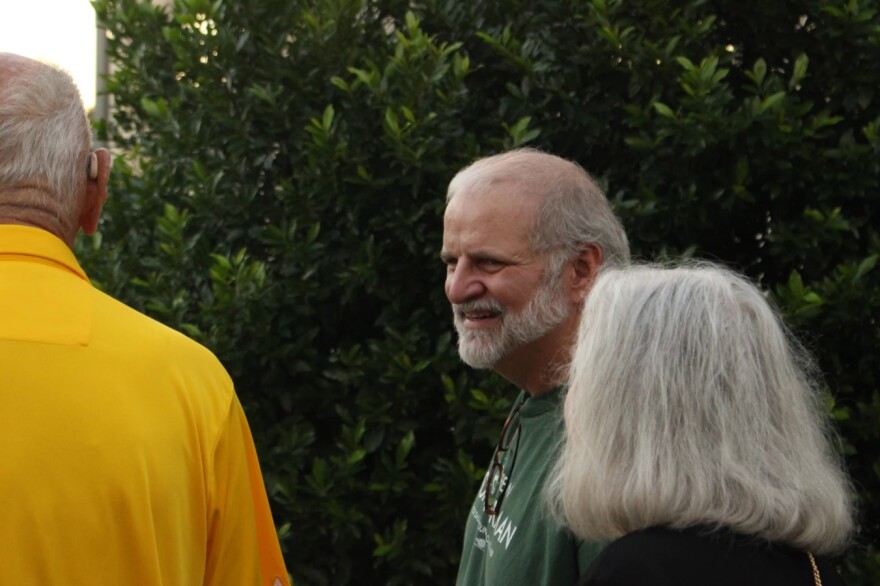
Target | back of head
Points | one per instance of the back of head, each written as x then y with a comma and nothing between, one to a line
44,135
574,212
690,404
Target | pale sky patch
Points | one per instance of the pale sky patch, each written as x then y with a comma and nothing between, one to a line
57,31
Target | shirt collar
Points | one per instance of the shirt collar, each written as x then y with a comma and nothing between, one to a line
535,406
41,246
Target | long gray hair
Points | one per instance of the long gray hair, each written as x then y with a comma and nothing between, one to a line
690,403
574,212
44,134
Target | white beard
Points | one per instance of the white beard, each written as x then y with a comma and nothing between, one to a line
484,348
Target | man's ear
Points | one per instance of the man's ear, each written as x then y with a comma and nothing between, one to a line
582,272
98,174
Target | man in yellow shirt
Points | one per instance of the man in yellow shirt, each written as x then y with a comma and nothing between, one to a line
125,456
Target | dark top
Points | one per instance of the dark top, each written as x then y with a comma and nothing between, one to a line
700,557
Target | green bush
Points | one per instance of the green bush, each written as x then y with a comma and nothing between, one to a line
278,192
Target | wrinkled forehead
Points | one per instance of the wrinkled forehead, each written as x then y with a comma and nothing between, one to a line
498,194
489,198
497,215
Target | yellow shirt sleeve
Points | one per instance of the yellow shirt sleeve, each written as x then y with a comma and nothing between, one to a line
242,543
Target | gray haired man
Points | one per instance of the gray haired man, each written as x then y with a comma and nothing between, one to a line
524,236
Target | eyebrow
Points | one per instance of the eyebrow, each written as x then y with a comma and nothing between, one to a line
480,256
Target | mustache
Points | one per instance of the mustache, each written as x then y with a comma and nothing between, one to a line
459,309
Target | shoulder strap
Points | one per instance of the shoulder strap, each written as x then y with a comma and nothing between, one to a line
817,579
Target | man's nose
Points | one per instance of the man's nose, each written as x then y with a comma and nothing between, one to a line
463,284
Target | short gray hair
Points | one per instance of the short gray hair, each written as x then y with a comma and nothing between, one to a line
691,403
44,133
574,212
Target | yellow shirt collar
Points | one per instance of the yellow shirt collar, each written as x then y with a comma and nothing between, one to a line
44,247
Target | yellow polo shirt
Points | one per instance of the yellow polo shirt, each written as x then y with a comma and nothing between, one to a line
125,456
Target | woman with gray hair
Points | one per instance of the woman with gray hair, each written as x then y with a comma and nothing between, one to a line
695,437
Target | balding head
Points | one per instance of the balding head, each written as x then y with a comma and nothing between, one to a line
573,212
44,145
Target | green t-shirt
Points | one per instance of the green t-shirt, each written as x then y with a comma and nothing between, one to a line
522,544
